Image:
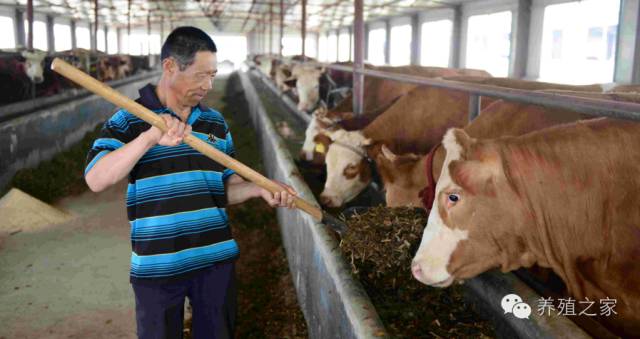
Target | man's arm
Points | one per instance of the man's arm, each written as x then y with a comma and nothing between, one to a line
240,190
116,165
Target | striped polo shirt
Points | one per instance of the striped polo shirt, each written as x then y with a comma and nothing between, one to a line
176,196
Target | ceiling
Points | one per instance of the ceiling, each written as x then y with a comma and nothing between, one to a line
228,15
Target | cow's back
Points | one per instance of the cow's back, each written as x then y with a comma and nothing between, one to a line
417,121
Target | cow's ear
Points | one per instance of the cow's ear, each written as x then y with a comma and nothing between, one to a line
367,142
475,177
322,138
457,141
388,154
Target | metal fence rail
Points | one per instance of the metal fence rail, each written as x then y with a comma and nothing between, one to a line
590,106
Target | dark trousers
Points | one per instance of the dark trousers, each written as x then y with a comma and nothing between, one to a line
212,294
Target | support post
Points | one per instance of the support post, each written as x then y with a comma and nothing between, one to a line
304,26
74,37
520,40
387,42
416,40
627,66
281,24
19,28
30,24
474,106
456,38
96,24
50,37
358,78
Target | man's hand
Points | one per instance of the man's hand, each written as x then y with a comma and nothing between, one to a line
283,198
175,134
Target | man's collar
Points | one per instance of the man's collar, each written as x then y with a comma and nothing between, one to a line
149,99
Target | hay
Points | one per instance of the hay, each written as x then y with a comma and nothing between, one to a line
380,245
23,213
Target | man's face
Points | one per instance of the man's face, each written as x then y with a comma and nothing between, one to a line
192,84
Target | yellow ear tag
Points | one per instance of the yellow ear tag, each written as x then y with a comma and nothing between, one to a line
320,148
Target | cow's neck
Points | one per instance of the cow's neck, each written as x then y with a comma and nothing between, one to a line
572,225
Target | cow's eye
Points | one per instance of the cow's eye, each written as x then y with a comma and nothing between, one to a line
454,198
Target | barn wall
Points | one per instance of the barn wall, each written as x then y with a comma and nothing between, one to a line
28,139
333,303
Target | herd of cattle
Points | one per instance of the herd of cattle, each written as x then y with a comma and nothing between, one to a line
520,185
26,74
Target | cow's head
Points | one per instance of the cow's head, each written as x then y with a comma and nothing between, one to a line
33,65
317,140
472,225
307,84
348,170
403,176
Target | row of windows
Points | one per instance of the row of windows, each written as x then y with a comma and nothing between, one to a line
136,44
577,36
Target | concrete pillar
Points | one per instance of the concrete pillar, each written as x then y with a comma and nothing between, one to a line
19,28
455,56
366,41
358,79
30,24
520,28
627,67
50,38
416,40
387,42
74,39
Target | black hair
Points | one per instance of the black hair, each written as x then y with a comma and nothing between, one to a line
184,42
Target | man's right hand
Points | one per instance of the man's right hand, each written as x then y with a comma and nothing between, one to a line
175,134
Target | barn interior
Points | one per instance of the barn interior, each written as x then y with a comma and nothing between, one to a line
64,250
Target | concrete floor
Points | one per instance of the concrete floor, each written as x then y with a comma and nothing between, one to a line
70,280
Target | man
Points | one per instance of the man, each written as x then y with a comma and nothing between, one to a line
176,197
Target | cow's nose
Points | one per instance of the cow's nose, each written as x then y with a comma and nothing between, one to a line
326,200
38,80
304,156
416,270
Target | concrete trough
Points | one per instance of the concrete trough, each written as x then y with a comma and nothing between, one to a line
35,130
333,302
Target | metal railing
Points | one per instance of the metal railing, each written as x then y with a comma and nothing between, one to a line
590,106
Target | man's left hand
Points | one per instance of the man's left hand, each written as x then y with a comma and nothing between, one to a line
283,198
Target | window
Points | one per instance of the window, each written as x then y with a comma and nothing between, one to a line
101,41
376,48
332,49
344,48
322,53
612,36
556,48
571,47
400,53
62,33
39,34
138,43
489,43
310,46
436,43
230,48
83,38
594,41
155,44
291,45
112,41
6,26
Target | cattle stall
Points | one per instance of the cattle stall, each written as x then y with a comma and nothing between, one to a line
482,291
36,130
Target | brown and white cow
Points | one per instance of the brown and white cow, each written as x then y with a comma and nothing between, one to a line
404,175
414,123
380,94
565,198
